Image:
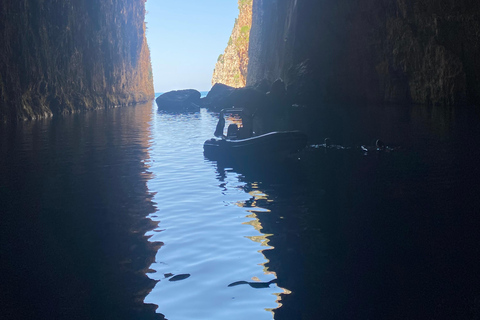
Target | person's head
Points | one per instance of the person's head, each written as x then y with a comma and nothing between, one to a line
379,143
328,142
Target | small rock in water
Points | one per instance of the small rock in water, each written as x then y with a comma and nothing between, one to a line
179,101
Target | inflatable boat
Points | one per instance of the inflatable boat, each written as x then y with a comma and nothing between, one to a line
276,144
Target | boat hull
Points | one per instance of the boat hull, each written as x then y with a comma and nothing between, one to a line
271,145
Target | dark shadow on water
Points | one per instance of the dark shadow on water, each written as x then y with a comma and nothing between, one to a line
73,200
387,235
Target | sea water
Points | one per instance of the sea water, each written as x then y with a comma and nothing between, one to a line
117,214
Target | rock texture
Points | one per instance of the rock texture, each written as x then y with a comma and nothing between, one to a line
245,97
401,51
187,100
231,67
65,56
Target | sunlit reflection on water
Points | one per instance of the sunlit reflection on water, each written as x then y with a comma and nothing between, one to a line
382,235
262,239
209,228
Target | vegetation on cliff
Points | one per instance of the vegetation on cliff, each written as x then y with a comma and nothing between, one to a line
65,56
231,67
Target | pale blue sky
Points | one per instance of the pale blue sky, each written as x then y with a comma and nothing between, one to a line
185,38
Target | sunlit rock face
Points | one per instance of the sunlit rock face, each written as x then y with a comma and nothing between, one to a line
231,67
65,56
401,51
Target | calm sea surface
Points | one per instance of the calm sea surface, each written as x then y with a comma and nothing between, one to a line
117,214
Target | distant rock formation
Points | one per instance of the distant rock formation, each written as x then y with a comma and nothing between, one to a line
215,99
401,51
64,56
231,67
179,101
266,105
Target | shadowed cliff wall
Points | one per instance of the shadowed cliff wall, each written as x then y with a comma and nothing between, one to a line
65,56
402,51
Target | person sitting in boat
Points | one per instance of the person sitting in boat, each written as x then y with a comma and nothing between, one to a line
232,131
220,126
246,131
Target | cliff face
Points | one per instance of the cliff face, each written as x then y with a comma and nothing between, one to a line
231,67
65,56
402,51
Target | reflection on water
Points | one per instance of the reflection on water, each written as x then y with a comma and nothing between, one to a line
382,235
74,202
117,215
206,222
254,208
343,234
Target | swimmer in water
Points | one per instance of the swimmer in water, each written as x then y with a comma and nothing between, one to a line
379,144
328,142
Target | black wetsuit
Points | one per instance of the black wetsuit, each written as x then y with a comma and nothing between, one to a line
220,127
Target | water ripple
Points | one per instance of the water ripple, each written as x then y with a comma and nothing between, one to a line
206,234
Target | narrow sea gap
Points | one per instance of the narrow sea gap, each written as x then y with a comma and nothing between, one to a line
114,206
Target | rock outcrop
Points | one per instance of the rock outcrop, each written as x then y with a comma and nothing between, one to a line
65,56
266,105
231,67
215,99
401,51
222,96
187,100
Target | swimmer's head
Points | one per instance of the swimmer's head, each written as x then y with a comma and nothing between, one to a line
379,143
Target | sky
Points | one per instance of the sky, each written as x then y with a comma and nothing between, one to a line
185,39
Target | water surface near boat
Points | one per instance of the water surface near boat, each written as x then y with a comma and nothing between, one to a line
118,214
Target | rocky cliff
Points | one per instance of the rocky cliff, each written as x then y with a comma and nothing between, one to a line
231,67
401,51
65,56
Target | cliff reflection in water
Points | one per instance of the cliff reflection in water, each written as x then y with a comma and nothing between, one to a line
74,203
254,206
381,234
330,234
277,193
